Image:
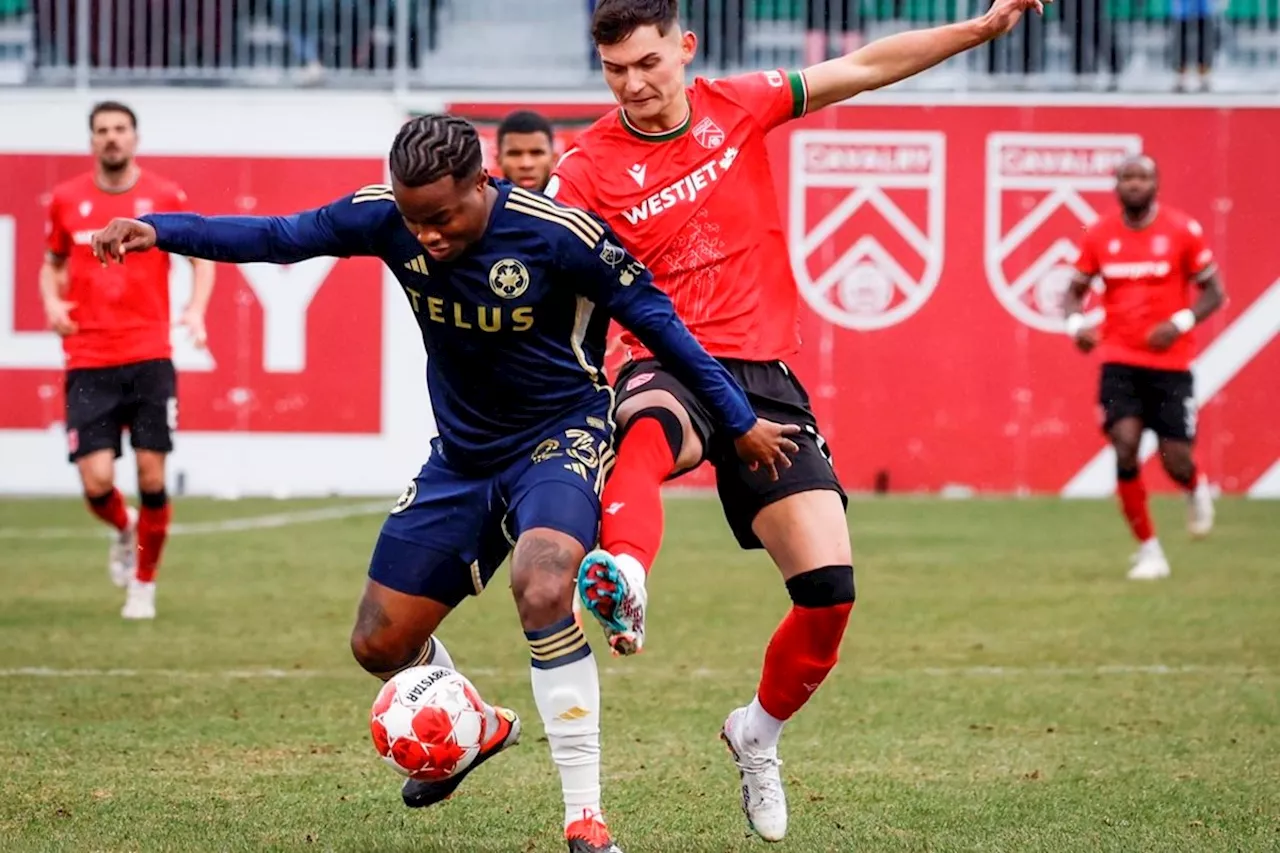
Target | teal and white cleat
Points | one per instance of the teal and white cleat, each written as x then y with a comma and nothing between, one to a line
612,590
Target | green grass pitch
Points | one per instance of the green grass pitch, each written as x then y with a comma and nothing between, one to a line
1002,688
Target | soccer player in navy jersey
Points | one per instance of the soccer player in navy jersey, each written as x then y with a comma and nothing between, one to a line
513,293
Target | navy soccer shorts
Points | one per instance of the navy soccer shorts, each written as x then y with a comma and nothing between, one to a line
450,531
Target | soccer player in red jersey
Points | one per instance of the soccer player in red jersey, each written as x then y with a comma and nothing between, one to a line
1152,260
682,176
114,324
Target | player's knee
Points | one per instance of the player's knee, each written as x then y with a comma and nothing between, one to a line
542,577
827,595
1177,463
665,419
377,651
96,484
1126,459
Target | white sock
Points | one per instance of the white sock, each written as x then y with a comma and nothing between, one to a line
631,565
566,689
439,655
762,728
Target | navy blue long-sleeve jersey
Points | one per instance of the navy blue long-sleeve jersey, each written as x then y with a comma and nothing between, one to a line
514,328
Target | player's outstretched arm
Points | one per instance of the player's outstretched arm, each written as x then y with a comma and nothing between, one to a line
335,230
897,57
611,277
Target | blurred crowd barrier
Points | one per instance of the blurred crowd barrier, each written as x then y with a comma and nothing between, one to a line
1131,45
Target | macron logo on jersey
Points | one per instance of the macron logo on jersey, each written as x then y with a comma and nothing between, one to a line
685,189
1141,269
637,173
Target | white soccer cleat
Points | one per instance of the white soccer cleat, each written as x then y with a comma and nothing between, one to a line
1149,563
122,559
763,800
1200,509
140,601
613,591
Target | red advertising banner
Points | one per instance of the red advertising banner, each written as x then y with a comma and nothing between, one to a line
931,247
291,349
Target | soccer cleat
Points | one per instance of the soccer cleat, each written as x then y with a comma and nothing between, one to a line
613,590
590,835
1200,509
418,794
763,800
122,559
140,600
1149,563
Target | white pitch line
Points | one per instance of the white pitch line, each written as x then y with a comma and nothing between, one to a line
226,525
271,674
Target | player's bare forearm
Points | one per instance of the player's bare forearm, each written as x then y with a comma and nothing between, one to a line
1212,297
897,57
890,59
1073,299
53,279
202,274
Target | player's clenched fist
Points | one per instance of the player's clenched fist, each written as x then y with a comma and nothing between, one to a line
120,237
766,444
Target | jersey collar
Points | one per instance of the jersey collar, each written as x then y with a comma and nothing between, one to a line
659,136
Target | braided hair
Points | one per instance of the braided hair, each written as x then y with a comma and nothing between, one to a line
431,147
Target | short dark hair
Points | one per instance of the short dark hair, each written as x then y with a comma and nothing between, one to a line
112,107
614,20
525,121
430,147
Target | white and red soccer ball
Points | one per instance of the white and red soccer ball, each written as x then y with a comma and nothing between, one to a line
428,722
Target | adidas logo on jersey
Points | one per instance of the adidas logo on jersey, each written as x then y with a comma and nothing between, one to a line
686,188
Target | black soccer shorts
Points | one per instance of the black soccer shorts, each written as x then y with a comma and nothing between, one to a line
102,402
1164,400
775,394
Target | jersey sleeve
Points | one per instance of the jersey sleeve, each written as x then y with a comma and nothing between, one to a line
1198,261
1087,260
770,97
57,239
348,227
570,181
607,274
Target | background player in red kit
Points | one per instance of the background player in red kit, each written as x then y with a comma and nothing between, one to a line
114,324
1152,259
682,176
526,149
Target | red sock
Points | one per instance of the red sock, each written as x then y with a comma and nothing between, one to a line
802,651
1133,501
632,500
153,529
110,508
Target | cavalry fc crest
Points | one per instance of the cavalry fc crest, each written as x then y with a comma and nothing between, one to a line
866,223
1043,190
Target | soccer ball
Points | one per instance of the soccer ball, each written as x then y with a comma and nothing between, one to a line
428,722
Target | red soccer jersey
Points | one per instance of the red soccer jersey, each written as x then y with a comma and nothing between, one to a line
1148,274
122,310
697,205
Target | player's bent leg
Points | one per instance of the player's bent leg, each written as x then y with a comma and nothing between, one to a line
152,532
658,440
97,478
1178,458
1149,562
807,536
410,591
556,521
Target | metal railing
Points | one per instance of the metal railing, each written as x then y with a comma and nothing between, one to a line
1142,45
